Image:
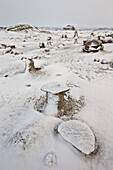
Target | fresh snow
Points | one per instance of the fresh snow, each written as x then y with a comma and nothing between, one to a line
28,138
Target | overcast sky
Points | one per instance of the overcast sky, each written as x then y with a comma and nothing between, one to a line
80,13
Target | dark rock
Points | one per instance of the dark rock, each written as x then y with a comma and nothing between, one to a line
64,36
28,85
6,75
96,60
42,45
31,67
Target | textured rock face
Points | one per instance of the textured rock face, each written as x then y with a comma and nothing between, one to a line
79,135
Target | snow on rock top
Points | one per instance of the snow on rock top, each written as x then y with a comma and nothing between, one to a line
79,135
23,27
51,159
54,88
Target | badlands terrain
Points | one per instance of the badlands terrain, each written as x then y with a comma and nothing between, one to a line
56,103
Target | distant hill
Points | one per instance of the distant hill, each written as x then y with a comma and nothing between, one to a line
23,27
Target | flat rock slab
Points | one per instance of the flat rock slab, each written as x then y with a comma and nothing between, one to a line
79,135
54,88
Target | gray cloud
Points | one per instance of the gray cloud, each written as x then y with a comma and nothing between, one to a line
81,13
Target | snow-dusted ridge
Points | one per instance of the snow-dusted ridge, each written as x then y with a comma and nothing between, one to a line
23,27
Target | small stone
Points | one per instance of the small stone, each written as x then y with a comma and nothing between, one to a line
42,45
36,57
38,68
16,53
28,85
22,58
96,60
50,159
58,74
47,50
6,75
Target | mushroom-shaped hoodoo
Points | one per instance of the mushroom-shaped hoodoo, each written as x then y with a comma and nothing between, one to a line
79,135
54,93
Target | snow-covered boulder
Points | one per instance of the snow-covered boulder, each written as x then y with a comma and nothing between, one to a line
79,135
104,61
92,46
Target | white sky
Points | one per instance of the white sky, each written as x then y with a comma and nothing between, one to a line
80,13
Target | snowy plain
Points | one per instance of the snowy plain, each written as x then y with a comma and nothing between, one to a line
28,140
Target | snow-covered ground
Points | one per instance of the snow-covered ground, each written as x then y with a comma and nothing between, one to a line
29,139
